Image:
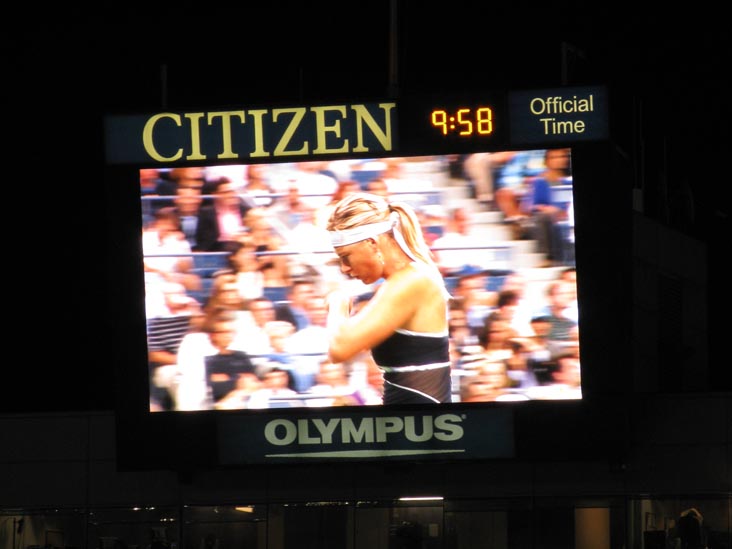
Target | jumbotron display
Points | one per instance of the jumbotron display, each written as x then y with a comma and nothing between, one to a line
238,266
238,271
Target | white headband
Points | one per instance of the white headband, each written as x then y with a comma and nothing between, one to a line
357,234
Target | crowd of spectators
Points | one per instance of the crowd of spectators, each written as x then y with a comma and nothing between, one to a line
238,264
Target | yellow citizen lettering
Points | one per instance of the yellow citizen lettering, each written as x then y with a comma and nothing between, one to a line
321,129
148,141
257,117
261,133
226,116
195,119
383,135
297,115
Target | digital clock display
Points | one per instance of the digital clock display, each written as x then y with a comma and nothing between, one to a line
456,123
464,121
486,120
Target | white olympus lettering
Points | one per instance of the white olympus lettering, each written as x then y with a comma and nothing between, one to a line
283,432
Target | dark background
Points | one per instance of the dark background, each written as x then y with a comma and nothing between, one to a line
666,73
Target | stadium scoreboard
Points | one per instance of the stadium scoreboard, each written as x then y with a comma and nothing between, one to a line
412,126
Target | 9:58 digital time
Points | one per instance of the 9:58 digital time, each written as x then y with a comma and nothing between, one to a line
463,121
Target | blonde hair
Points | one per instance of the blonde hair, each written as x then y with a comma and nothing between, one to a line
214,298
360,209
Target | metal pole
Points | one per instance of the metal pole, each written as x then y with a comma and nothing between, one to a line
393,50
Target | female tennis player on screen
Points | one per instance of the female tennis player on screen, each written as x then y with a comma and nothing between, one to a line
404,324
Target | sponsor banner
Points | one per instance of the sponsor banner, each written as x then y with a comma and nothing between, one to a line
252,135
362,436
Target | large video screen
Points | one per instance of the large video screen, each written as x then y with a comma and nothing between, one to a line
238,266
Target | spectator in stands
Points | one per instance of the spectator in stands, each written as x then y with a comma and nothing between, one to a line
315,177
541,324
517,362
393,170
489,384
477,169
149,180
433,219
512,172
294,310
378,186
568,371
170,312
478,388
309,345
290,208
544,211
221,222
462,336
244,265
273,265
470,292
187,177
163,184
333,387
208,363
238,398
505,198
236,173
459,247
254,337
274,392
505,308
519,365
251,316
495,344
226,366
167,254
224,294
523,312
570,275
187,204
310,246
540,360
565,377
559,294
278,332
169,182
258,186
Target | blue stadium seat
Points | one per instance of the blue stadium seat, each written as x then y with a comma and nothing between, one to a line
494,283
362,177
205,264
276,293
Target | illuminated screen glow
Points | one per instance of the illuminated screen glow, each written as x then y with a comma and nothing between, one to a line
476,214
